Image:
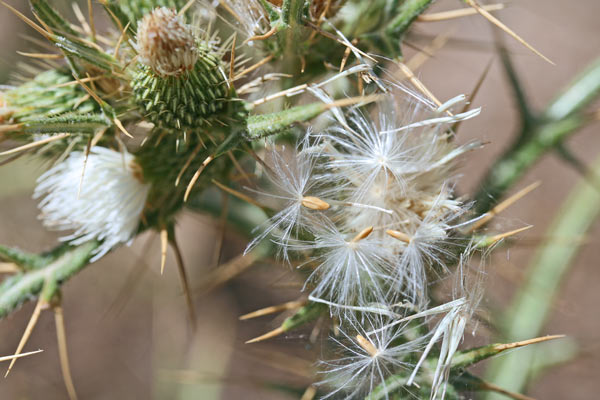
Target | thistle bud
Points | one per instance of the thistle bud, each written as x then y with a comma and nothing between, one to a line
179,82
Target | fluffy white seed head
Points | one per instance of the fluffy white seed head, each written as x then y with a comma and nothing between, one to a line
349,269
367,357
105,205
293,186
392,174
166,43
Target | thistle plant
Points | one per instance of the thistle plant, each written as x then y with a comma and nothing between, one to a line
353,170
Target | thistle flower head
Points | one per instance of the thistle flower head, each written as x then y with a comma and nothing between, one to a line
101,198
166,43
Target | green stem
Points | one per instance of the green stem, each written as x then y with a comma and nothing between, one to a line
561,118
20,288
526,316
408,11
507,170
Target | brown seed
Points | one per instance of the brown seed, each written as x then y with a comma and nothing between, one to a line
314,203
363,234
399,235
367,345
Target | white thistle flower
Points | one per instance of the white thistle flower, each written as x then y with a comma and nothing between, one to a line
368,359
166,43
105,205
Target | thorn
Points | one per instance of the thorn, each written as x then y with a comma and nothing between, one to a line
290,305
60,85
134,277
44,56
237,194
9,268
419,85
232,62
27,20
503,205
96,98
188,162
85,160
122,128
428,51
186,7
363,234
491,240
514,345
461,12
399,235
268,335
309,393
253,67
196,176
35,144
314,203
41,304
228,271
120,41
185,284
221,229
164,241
353,100
474,92
267,35
10,128
331,36
61,337
494,388
345,58
91,18
499,24
8,358
239,168
116,19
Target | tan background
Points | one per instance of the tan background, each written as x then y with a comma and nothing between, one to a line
139,348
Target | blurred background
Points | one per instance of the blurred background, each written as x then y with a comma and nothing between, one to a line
127,330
